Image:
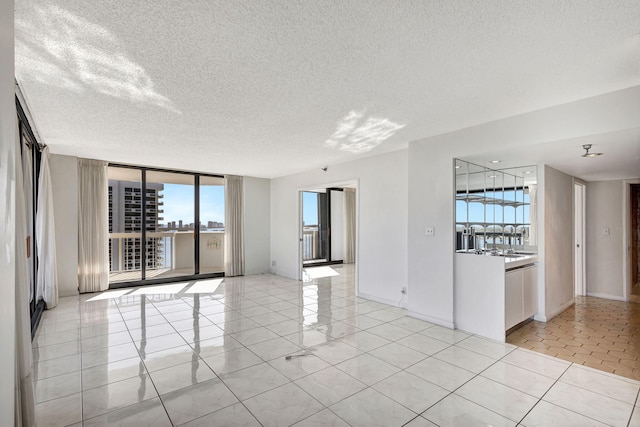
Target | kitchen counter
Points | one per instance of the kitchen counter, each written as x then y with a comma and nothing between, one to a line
510,261
492,293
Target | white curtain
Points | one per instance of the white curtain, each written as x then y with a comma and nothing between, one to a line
234,226
24,393
47,288
93,226
533,214
349,225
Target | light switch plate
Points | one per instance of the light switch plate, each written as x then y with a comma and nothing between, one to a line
430,231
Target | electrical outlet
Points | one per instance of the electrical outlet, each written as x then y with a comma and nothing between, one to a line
430,231
404,290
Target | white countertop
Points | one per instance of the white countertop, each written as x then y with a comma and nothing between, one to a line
519,261
511,261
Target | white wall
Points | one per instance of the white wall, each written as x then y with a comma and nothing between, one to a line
431,183
604,252
7,213
431,204
257,225
381,224
64,181
556,242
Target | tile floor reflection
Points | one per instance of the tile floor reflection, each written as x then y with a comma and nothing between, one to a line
204,354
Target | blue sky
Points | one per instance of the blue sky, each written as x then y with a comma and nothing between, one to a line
310,208
178,203
478,211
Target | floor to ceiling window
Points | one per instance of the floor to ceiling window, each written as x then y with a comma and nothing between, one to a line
164,225
125,224
30,155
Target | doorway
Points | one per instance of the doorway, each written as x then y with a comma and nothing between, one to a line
579,232
327,228
635,241
322,227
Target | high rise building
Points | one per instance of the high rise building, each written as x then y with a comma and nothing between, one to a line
125,216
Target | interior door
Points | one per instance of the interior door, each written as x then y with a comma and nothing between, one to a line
635,239
579,231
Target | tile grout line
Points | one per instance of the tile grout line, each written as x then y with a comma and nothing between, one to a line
145,367
633,409
548,390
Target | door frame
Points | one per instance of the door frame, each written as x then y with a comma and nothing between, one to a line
354,183
626,237
579,232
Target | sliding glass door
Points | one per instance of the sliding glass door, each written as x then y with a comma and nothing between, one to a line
125,224
170,219
164,225
211,219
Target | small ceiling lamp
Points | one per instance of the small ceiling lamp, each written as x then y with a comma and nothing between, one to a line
587,147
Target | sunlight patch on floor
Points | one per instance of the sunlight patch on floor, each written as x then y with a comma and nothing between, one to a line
320,272
205,286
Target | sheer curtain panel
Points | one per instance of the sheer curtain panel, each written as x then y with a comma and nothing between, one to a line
234,226
47,283
24,392
349,225
93,226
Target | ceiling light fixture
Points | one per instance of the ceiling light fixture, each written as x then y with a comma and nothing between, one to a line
527,172
587,147
495,161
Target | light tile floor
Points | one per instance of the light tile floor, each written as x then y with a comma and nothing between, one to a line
173,356
600,333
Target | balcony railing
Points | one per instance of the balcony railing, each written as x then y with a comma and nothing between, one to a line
310,243
169,254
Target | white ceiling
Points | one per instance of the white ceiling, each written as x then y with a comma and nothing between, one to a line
620,157
269,88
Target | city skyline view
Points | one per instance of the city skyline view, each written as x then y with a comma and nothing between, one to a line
178,204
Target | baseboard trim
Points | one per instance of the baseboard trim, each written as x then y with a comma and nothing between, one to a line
431,319
380,300
605,296
560,309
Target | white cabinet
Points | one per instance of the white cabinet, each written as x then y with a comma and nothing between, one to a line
529,291
513,298
521,296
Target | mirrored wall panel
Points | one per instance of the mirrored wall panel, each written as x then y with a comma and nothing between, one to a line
495,209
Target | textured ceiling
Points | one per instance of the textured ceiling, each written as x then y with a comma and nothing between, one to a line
269,88
620,157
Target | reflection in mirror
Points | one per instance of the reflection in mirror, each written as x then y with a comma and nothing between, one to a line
495,209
